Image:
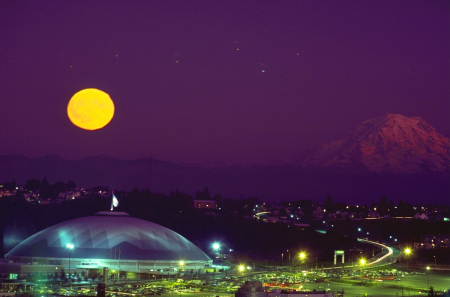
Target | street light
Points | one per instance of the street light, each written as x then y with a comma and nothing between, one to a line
362,262
70,247
302,258
241,268
55,276
181,265
407,252
216,247
428,272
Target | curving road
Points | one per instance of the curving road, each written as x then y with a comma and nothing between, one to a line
387,256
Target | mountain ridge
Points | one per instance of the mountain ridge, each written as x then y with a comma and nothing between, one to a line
351,180
269,183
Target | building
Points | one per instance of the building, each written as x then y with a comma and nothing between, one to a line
420,216
431,241
108,239
205,204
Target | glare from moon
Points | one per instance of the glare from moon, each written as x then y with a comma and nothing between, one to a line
90,109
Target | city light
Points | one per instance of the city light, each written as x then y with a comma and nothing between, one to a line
407,251
216,246
241,268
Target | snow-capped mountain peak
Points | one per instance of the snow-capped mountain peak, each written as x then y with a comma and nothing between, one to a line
392,142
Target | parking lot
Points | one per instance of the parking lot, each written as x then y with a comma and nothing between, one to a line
381,282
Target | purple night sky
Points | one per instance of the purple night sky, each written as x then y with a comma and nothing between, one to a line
255,82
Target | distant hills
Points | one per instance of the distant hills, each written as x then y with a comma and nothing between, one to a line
392,156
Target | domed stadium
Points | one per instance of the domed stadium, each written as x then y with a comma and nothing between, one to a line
113,240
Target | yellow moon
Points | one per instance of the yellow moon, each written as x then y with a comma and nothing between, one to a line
90,109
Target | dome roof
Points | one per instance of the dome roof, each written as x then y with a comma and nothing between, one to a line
106,235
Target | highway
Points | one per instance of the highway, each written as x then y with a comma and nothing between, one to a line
388,255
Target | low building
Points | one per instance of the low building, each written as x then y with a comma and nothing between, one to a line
108,239
420,216
373,215
431,241
205,204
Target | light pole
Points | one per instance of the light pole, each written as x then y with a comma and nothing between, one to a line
302,259
428,272
70,247
407,252
241,268
181,266
434,262
362,262
216,247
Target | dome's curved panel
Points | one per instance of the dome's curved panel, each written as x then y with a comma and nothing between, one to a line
109,235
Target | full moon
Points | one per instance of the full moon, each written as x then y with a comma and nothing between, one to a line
90,109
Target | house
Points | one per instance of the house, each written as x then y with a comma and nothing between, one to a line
30,196
205,204
420,216
68,195
431,241
373,215
318,213
7,193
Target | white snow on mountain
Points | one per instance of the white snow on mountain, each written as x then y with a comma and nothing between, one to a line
393,143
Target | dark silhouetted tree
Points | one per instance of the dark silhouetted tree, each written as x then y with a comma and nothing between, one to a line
204,195
329,204
70,185
33,184
45,191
